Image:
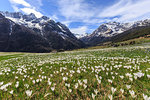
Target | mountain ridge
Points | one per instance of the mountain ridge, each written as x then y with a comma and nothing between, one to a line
56,35
111,29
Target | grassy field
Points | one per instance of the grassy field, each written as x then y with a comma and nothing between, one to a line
6,56
109,73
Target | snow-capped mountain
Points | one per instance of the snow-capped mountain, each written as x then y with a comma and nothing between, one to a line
111,29
56,34
114,28
31,21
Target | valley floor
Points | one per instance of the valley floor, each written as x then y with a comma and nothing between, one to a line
109,73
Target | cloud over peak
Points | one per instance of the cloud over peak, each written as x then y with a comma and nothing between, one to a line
27,8
87,12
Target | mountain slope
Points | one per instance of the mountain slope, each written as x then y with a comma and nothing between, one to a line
137,32
54,35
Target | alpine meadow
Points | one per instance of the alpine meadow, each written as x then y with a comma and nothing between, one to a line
74,50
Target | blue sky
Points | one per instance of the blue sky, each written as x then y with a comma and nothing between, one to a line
82,15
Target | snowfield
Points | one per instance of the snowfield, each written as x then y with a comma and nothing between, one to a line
111,73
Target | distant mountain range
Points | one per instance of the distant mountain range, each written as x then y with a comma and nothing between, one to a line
113,29
27,33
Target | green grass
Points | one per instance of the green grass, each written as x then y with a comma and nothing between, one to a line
78,74
131,42
9,56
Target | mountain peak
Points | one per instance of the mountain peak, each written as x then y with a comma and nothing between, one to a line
32,15
45,17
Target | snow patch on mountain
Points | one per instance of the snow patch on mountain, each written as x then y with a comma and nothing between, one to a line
64,36
61,28
11,25
22,21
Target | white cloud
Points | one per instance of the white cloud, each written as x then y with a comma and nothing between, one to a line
54,17
15,8
21,2
75,9
67,23
31,10
35,3
128,10
121,11
79,30
78,11
28,8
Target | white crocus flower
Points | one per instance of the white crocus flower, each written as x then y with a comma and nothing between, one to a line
33,81
148,76
132,93
113,90
110,97
1,83
49,83
113,77
145,97
76,85
85,86
52,88
78,71
110,81
99,81
28,93
122,91
96,91
70,90
131,79
121,77
37,80
93,96
17,84
11,92
128,86
85,81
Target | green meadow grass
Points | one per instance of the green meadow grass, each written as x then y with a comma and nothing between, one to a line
9,56
98,74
